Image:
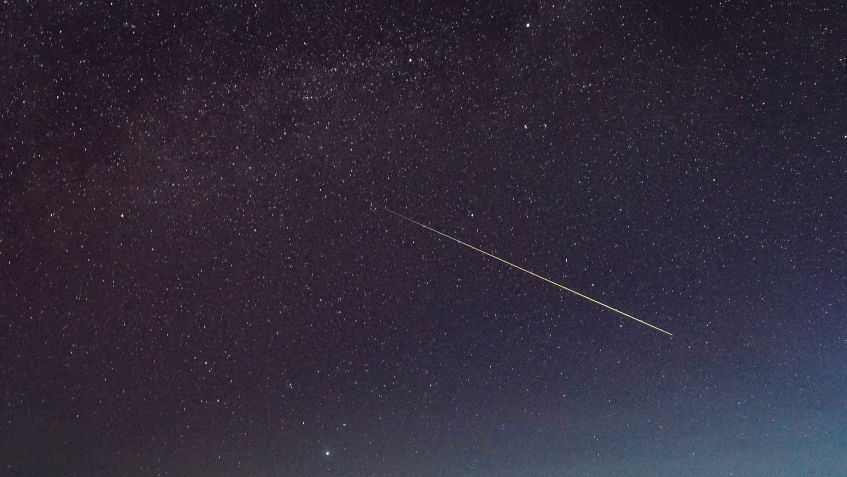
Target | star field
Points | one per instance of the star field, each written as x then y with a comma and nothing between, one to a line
199,276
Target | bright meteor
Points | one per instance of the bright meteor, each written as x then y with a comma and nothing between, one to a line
570,290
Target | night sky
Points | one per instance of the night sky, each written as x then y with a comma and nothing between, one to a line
199,276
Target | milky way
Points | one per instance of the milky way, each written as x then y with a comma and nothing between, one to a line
194,281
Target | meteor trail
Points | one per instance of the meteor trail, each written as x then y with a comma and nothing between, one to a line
570,290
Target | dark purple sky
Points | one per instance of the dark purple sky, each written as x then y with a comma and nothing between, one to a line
199,278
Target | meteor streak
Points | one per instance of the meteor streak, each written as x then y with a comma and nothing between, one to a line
569,290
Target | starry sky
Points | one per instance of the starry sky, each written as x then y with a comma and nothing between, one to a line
199,276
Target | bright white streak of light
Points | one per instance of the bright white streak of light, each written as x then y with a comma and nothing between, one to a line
570,290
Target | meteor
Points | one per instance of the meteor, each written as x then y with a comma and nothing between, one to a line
495,257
